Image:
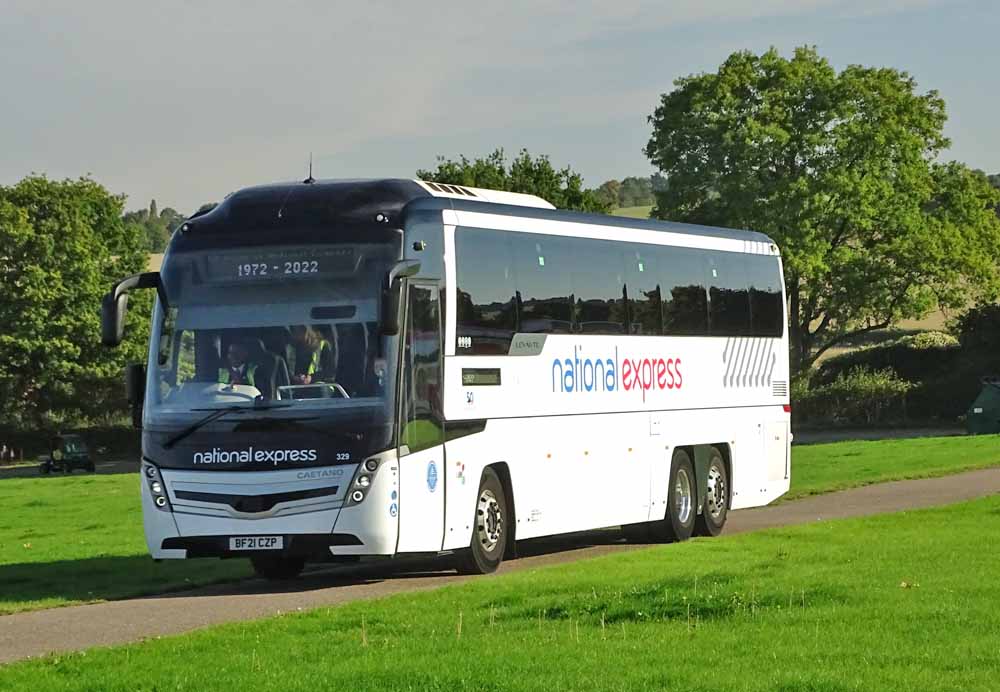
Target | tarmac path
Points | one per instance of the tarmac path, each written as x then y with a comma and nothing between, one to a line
24,635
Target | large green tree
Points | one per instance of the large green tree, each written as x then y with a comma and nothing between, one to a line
525,174
841,169
62,245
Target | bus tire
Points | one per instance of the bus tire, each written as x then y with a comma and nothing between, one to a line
678,521
278,568
489,528
715,505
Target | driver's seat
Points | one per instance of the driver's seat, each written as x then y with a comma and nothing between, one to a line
271,369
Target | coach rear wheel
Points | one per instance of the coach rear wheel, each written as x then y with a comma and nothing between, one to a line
715,508
277,568
678,522
489,530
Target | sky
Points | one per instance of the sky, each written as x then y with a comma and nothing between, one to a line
187,101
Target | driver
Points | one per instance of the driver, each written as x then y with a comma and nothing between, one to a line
238,369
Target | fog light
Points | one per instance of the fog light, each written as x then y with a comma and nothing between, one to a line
161,501
150,472
364,481
357,496
371,465
156,487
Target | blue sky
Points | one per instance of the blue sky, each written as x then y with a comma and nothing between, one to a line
191,101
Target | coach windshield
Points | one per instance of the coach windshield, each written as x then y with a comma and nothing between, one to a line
273,340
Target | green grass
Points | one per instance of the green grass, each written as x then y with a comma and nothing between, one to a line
77,539
822,468
896,602
633,212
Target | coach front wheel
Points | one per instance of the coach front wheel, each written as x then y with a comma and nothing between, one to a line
715,507
489,529
278,568
678,522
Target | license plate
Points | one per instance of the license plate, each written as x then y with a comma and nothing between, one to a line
256,542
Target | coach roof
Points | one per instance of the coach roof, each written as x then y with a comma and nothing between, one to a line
322,202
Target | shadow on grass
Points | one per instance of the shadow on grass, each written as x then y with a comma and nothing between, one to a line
28,586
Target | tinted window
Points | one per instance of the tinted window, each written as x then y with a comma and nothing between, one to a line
487,316
729,299
643,280
599,287
767,307
682,282
543,266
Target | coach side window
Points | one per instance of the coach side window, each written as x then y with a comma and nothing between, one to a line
487,312
543,266
729,298
685,301
599,286
766,302
643,280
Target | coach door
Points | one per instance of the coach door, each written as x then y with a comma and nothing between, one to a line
421,437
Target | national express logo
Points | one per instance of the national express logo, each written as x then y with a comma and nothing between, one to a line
245,456
586,374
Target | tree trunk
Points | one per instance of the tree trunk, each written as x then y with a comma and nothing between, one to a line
797,333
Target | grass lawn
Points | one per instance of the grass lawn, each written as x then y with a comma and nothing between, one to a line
79,538
896,602
76,539
821,468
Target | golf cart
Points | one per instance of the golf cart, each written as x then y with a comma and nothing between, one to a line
67,452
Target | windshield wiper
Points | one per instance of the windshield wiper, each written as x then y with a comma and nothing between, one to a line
215,414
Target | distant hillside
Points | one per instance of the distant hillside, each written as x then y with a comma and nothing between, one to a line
633,212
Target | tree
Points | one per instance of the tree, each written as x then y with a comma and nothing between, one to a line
62,245
608,193
636,192
840,170
155,226
526,174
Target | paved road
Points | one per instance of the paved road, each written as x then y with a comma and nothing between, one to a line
118,622
102,467
816,436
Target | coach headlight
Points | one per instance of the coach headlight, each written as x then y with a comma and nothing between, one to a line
357,496
363,481
371,465
156,487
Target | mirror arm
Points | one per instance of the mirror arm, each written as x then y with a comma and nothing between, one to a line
402,268
144,280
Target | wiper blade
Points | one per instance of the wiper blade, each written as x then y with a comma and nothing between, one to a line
215,414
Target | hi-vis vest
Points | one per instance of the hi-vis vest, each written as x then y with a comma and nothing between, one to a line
312,359
245,378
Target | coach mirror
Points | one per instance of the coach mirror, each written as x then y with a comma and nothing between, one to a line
113,309
135,391
115,305
391,294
